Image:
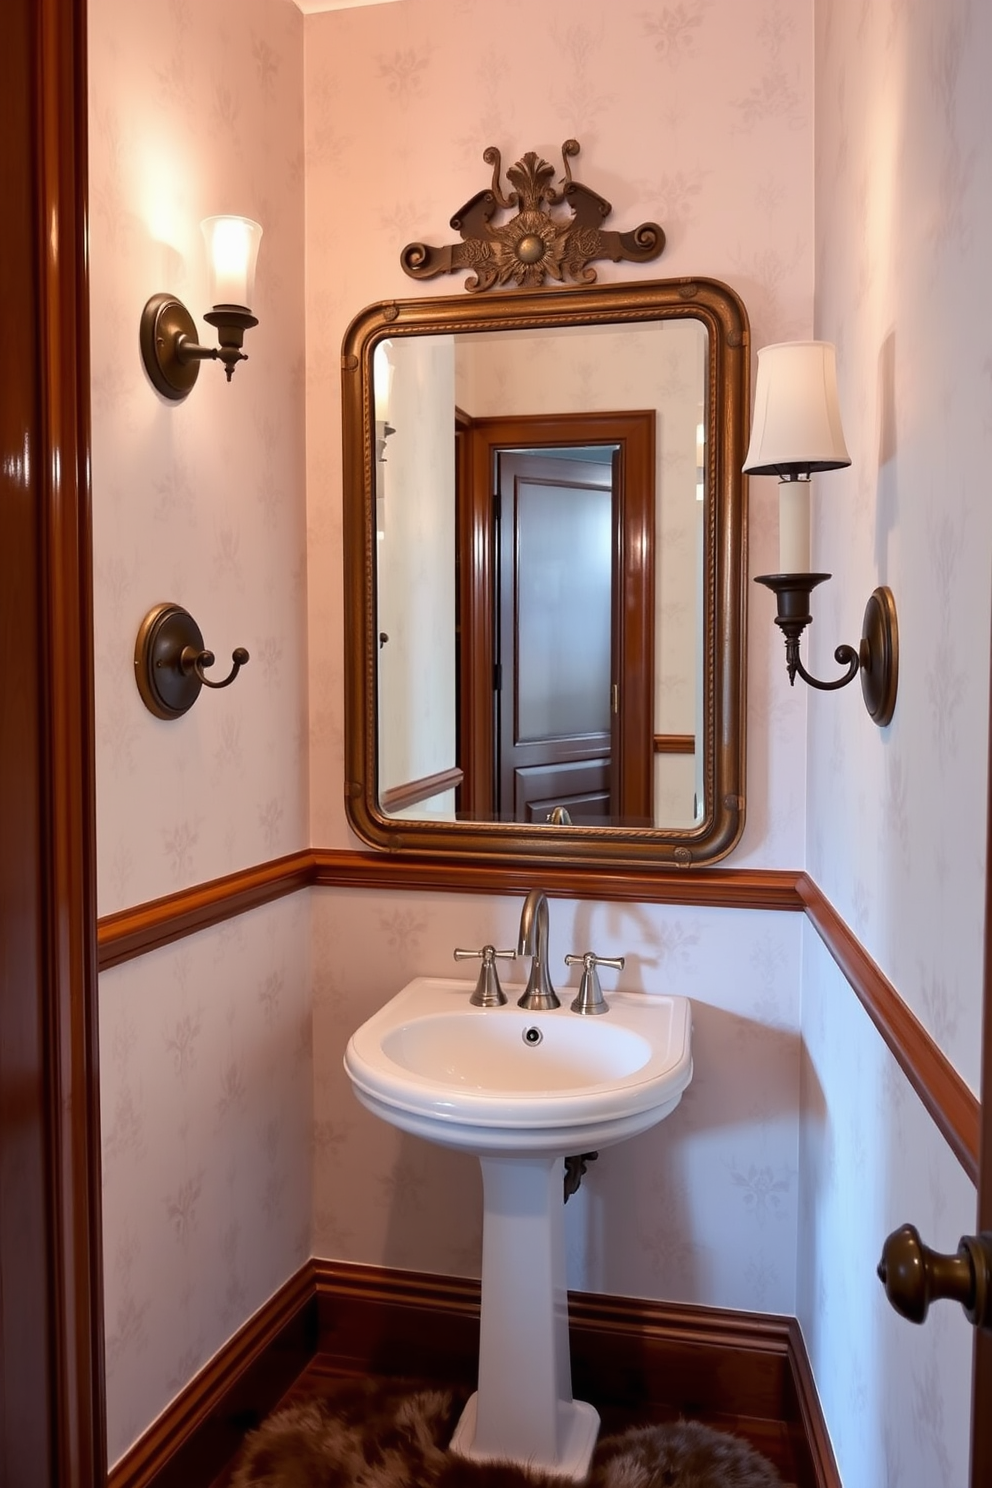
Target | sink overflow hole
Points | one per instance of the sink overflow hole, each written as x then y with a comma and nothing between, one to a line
532,1036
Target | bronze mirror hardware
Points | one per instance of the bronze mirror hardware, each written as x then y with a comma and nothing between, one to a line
170,661
535,244
428,550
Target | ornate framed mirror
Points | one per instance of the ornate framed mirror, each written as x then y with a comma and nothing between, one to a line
545,574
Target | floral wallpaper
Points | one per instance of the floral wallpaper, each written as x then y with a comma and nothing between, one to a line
696,115
199,502
896,820
897,1398
232,1145
206,1114
205,1087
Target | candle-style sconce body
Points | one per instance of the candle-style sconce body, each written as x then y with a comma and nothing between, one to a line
167,334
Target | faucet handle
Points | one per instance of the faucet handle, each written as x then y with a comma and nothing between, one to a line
488,992
590,998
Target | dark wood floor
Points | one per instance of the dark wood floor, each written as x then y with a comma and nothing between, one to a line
780,1442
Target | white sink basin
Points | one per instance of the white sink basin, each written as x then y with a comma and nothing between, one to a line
508,1080
522,1090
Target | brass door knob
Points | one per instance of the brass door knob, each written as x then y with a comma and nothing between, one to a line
914,1275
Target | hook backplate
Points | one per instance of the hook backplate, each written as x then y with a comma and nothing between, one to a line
167,690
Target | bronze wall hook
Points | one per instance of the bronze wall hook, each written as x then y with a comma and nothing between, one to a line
170,661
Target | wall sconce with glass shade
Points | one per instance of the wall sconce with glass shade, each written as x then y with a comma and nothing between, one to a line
169,348
796,432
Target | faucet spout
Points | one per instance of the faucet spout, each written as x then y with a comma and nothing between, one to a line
533,942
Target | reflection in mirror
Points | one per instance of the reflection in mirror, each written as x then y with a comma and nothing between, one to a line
547,497
597,673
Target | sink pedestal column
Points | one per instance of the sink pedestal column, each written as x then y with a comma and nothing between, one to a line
523,1410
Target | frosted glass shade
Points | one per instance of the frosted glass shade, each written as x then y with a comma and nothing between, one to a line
796,427
232,251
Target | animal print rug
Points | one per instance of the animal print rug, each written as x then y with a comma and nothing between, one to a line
381,1436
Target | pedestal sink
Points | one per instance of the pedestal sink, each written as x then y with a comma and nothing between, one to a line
522,1090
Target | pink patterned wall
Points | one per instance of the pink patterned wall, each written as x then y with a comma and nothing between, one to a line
896,820
699,115
196,108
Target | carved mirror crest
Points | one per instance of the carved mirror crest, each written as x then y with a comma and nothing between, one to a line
537,243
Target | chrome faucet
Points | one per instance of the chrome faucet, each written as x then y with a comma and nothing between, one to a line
533,942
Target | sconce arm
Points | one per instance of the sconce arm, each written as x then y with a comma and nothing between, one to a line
845,655
876,659
171,352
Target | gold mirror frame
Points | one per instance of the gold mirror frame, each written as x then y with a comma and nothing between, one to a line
724,577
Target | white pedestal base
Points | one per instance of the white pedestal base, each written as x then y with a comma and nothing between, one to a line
523,1411
579,1430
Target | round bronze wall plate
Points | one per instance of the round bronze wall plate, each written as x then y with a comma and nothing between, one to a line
880,656
167,690
163,321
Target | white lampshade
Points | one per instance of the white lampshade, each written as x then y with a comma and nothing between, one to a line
232,251
796,427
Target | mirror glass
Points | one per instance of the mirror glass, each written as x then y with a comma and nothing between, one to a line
545,493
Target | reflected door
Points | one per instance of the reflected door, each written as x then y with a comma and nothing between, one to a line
556,584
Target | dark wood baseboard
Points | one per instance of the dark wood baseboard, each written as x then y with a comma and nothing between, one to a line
200,1431
808,1411
624,1350
368,1320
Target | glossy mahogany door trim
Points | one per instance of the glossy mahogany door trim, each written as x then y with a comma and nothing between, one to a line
146,927
51,1313
951,1104
981,1416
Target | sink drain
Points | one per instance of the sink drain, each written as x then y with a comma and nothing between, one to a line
532,1036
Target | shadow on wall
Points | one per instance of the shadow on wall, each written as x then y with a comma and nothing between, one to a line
435,1211
702,1208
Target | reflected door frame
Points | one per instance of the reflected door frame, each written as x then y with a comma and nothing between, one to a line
546,757
477,441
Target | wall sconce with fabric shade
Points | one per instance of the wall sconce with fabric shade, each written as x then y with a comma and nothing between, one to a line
796,431
169,348
382,384
382,392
